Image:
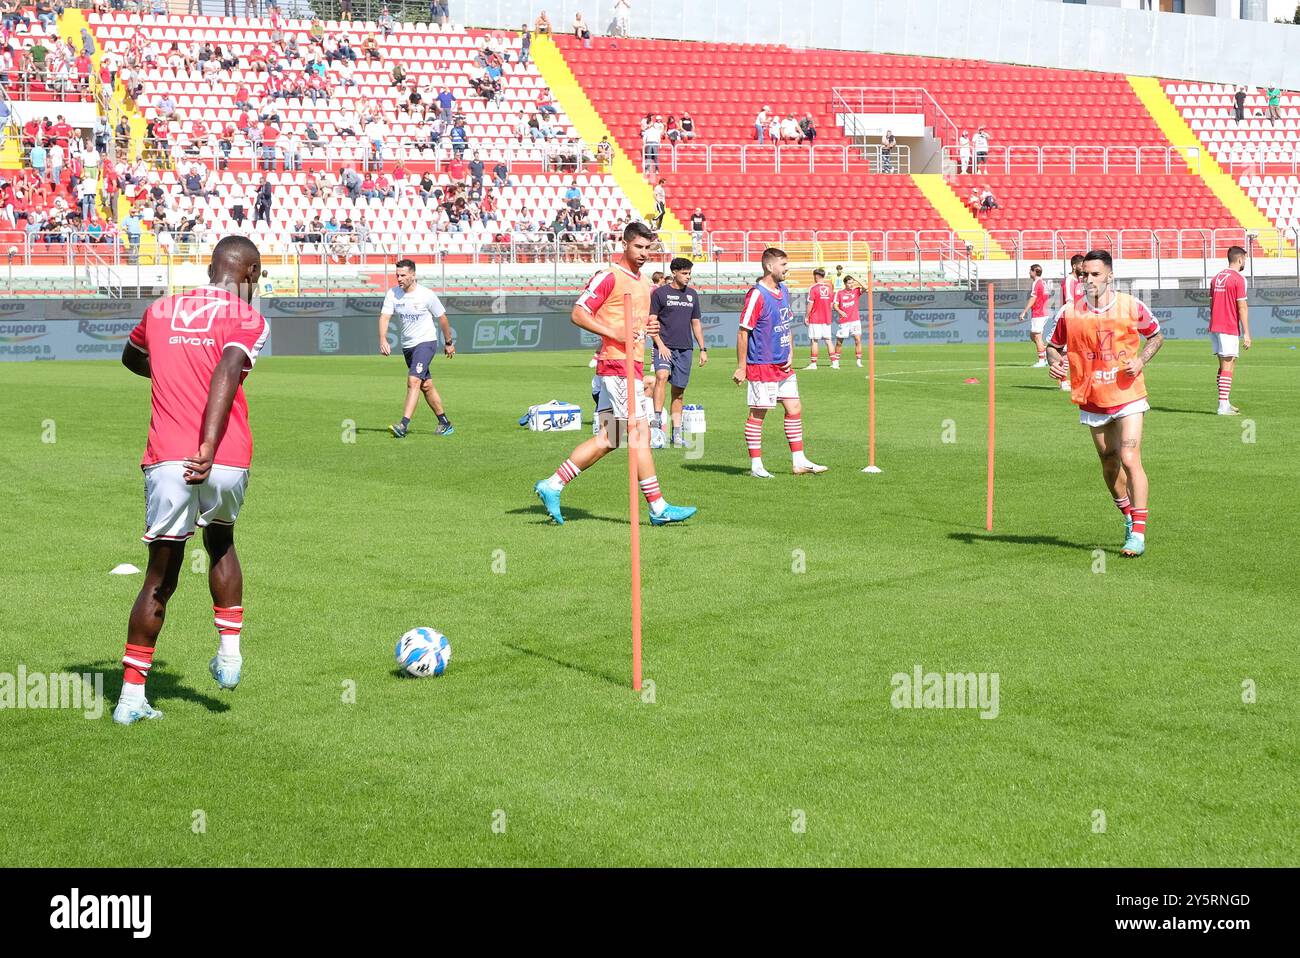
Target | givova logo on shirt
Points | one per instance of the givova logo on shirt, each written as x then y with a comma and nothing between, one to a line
515,333
194,315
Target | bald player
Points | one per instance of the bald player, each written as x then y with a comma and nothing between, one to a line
195,348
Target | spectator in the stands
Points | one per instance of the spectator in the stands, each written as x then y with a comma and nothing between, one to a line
370,47
888,143
386,22
980,141
542,24
760,124
56,160
987,200
1239,104
45,13
439,13
790,132
1274,95
345,11
376,133
965,153
262,205
501,175
545,105
581,32
698,225
525,44
316,32
397,77
350,180
687,125
476,169
808,129
446,99
459,139
458,171
38,159
270,136
133,227
426,188
650,140
605,152
774,129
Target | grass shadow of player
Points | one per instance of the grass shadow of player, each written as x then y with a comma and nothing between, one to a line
385,429
574,666
1047,388
970,538
569,512
724,468
163,685
1185,412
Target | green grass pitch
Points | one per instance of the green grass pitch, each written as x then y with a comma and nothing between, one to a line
771,739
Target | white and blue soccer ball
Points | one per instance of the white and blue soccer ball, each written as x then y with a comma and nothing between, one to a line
423,652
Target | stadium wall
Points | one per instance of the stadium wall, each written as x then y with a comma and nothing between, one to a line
38,329
1032,32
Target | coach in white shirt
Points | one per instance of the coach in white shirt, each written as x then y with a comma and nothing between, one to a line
417,307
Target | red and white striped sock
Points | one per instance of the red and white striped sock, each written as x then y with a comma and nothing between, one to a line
229,622
754,437
794,433
1124,505
653,497
1042,354
1225,386
858,351
565,474
137,661
1139,522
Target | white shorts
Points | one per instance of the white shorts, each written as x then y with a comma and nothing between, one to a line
765,395
1097,419
819,331
1036,323
613,398
1225,344
849,329
172,508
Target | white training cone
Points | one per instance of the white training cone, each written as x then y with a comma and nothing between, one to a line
874,470
125,569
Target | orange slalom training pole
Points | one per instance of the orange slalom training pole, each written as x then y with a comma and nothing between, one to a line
872,468
988,518
633,437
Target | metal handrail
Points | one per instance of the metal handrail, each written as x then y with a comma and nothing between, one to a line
825,246
1039,159
811,158
896,100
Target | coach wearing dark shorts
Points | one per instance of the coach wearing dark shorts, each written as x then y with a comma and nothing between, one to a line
418,358
676,305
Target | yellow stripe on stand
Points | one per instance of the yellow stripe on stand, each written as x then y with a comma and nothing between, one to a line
958,216
587,121
1223,185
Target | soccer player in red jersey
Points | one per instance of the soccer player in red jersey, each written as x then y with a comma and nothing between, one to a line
195,348
600,310
1037,309
850,321
820,298
1229,323
1103,332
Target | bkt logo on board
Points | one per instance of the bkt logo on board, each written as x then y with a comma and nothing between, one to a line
523,333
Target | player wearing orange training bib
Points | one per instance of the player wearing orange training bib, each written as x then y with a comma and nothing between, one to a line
1103,333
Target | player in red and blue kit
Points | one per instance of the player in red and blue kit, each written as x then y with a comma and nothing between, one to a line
195,348
764,355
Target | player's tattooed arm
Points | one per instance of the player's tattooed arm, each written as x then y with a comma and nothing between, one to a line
137,361
1149,350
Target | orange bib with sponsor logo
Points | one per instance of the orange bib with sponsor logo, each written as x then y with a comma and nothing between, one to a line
1100,345
611,311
